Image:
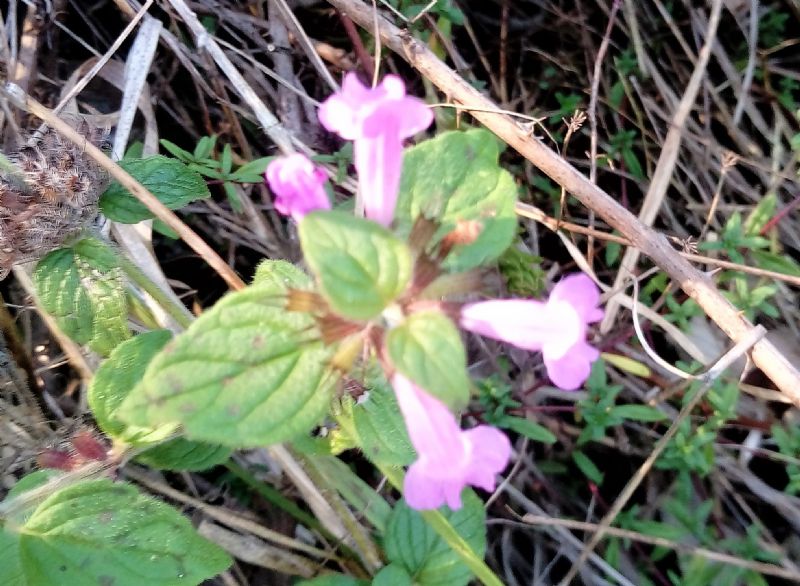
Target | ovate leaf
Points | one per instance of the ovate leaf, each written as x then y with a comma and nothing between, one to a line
427,349
426,557
172,182
114,382
83,287
246,373
101,532
116,378
379,426
360,265
183,454
456,177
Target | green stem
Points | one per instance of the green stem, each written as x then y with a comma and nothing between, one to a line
178,313
446,531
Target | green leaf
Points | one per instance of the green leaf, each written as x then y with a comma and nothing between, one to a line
116,378
58,284
761,214
427,349
185,455
392,575
360,265
168,179
246,373
164,229
252,172
205,146
84,289
639,413
527,428
412,543
11,570
589,469
101,532
31,481
281,273
780,263
174,150
456,177
114,382
379,426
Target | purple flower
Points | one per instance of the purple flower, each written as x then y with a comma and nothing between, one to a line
298,186
448,458
378,120
556,327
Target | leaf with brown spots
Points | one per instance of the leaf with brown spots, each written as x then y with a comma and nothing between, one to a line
246,373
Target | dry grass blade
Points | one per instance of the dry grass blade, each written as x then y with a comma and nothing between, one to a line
271,125
768,569
666,161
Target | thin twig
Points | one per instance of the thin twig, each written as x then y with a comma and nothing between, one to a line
714,556
529,211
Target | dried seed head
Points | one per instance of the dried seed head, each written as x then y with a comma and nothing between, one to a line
54,196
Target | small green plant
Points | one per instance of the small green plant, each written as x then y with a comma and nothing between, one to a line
599,410
567,104
788,442
622,148
692,448
495,396
204,161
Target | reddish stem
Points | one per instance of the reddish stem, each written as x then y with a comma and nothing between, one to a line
358,46
780,215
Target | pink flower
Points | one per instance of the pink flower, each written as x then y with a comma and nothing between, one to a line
298,186
377,120
448,458
556,327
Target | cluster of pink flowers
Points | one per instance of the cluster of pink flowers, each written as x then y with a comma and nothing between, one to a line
377,120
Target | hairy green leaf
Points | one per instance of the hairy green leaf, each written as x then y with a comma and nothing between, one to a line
282,273
361,266
456,177
171,181
84,289
114,382
101,532
427,349
246,373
